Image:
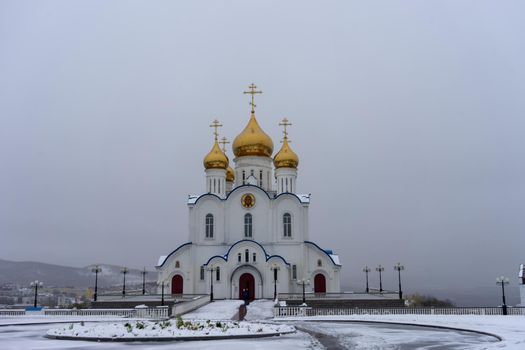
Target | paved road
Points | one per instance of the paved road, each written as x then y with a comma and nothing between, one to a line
351,335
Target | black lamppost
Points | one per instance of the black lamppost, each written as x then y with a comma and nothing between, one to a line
144,272
124,271
304,282
162,292
503,281
96,270
380,269
399,268
275,268
211,268
366,270
36,284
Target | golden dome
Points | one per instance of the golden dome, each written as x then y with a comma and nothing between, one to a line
230,175
216,159
253,141
286,158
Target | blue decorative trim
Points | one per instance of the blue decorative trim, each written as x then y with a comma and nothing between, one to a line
226,256
315,245
173,252
215,256
242,186
278,257
290,193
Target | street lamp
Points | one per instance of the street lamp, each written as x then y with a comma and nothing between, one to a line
304,282
366,270
275,268
96,270
503,281
124,271
380,269
211,268
36,284
162,292
399,268
144,272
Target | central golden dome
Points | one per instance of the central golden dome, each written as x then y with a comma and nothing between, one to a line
253,141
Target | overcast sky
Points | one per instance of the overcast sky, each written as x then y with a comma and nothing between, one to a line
408,118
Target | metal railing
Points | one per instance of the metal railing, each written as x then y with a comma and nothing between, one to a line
12,312
286,311
339,296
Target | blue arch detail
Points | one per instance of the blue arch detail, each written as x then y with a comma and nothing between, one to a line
173,252
243,186
328,255
226,256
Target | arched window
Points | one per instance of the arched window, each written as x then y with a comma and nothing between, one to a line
243,177
294,272
254,257
287,225
247,255
202,273
239,257
319,263
218,273
177,264
248,225
209,226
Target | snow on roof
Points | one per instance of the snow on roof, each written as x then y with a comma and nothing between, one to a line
335,258
192,198
304,198
162,259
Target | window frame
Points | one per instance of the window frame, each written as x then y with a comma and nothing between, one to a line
287,226
248,225
209,224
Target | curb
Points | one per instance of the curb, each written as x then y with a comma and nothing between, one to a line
166,339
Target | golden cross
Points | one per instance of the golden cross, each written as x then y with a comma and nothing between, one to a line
252,92
285,122
224,141
215,124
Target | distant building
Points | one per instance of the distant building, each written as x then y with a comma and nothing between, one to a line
521,275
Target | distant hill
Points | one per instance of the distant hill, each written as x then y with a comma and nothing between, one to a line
23,272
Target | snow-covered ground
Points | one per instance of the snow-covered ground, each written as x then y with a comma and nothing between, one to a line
259,310
32,338
217,310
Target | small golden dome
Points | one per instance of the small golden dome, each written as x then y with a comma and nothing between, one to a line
230,175
253,141
286,158
216,159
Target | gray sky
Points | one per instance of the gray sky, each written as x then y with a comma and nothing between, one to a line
408,118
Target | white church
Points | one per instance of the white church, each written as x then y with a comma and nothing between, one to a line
248,231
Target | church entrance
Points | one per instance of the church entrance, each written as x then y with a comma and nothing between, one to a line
177,284
319,283
247,281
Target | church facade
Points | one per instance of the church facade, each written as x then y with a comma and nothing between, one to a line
248,231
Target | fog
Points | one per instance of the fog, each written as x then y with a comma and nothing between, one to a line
408,119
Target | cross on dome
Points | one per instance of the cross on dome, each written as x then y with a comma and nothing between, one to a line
285,123
215,124
253,91
224,141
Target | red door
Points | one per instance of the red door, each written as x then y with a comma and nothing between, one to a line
319,283
246,281
176,284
